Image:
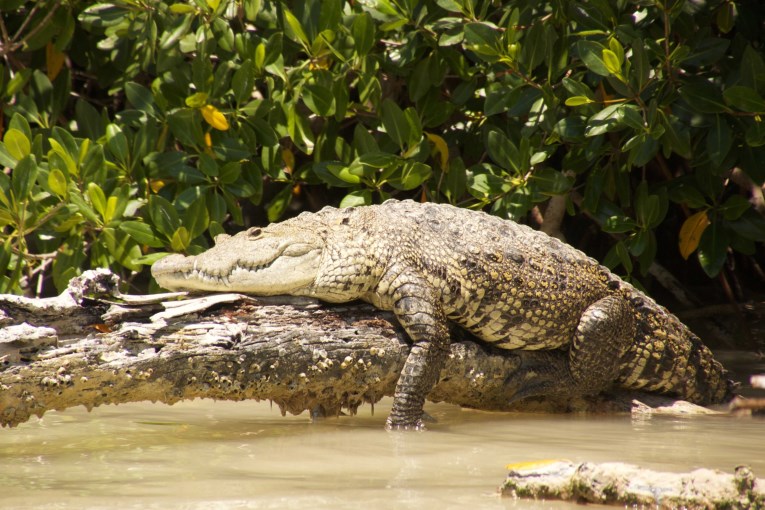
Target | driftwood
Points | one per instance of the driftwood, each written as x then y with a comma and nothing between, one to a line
621,484
92,345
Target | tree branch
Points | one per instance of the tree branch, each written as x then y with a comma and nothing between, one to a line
621,484
92,346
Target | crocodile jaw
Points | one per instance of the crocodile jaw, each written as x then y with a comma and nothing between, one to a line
263,266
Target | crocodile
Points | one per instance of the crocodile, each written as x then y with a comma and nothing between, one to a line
434,265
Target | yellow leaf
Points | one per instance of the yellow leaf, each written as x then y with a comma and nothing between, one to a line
690,233
533,465
214,117
208,140
156,185
441,149
213,4
289,160
54,61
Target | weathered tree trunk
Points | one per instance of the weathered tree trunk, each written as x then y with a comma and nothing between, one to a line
92,345
621,484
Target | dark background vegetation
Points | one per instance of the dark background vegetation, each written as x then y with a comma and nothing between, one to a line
136,127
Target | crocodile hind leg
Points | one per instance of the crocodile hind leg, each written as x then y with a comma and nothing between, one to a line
605,331
426,325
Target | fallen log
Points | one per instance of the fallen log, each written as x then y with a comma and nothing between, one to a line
93,345
616,483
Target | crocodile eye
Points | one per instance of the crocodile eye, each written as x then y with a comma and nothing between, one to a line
254,232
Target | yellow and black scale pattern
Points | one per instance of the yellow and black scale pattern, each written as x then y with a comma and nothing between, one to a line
512,286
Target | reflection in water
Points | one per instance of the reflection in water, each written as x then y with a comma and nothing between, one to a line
206,454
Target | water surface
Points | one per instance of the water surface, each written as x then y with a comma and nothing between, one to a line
206,454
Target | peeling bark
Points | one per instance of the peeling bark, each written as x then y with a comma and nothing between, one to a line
615,483
93,345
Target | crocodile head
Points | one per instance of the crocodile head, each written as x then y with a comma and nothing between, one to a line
279,259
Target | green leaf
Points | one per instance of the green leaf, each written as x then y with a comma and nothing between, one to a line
744,99
644,152
750,225
196,218
713,249
117,143
182,9
676,135
503,151
483,39
726,17
243,81
378,159
363,141
452,5
57,182
319,99
97,198
412,175
180,239
608,119
638,242
196,100
536,45
17,144
415,127
363,32
707,52
755,134
176,31
83,207
578,101
619,224
591,54
648,207
549,181
163,216
295,30
356,198
140,97
703,97
275,209
624,257
141,233
734,207
22,124
23,178
298,128
395,123
230,172
89,121
719,140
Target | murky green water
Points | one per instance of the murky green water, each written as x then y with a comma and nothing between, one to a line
208,454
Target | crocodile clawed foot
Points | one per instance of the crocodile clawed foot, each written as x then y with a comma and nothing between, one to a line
393,424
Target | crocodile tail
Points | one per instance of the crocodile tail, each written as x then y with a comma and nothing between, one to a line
666,357
707,381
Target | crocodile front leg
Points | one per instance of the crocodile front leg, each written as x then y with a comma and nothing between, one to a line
426,325
605,330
